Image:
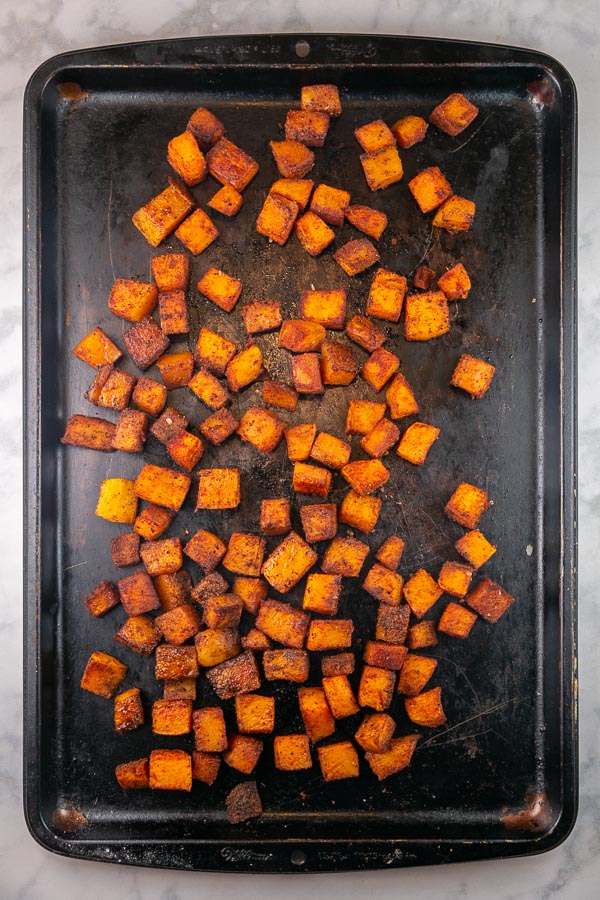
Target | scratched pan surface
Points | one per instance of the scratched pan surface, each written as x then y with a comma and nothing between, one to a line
509,743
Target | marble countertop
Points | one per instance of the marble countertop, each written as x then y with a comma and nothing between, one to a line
31,31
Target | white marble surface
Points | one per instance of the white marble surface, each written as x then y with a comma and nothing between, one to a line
32,30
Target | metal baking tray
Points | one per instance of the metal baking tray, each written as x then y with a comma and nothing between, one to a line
500,779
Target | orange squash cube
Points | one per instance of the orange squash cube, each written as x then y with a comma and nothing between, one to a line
261,428
426,708
226,201
218,427
467,504
374,136
384,585
299,336
175,663
299,439
382,168
423,278
251,591
103,674
206,549
171,272
217,645
313,233
286,665
375,732
275,516
379,368
162,557
231,165
293,159
430,188
277,217
197,232
170,770
185,156
475,548
214,352
315,712
392,623
319,521
205,127
338,664
455,215
261,316
454,114
307,479
307,126
322,593
111,388
386,295
243,753
117,501
161,215
426,316
338,761
185,449
255,714
291,752
421,592
328,308
133,775
376,688
173,313
306,373
340,696
473,375
489,600
212,585
365,475
415,673
244,368
421,635
409,131
96,349
456,620
455,283
364,333
210,733
338,365
384,655
145,342
173,717
239,675
363,416
162,486
152,522
176,369
400,398
360,512
371,222
321,97
345,556
138,594
245,553
243,803
209,389
276,393
173,589
179,624
390,552
330,450
218,489
329,204
256,640
381,439
296,189
416,443
395,758
287,564
356,256
205,766
102,599
221,289
87,431
455,578
149,396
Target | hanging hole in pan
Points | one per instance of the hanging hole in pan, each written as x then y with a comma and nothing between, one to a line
298,857
302,49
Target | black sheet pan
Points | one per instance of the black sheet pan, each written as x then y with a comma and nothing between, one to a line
501,778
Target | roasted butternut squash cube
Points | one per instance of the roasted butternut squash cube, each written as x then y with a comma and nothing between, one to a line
102,599
338,761
381,439
306,373
218,489
374,136
371,222
375,732
340,696
149,396
185,156
395,758
338,365
322,593
384,585
96,349
162,486
365,475
455,215
179,624
319,521
384,655
252,592
245,553
173,589
363,416
299,439
426,316
308,479
170,770
138,594
145,342
283,569
321,97
185,449
356,256
256,640
139,634
475,548
173,313
423,278
286,665
275,516
360,512
409,131
133,775
426,708
300,336
329,634
231,165
276,393
467,504
329,204
213,351
415,673
217,645
87,431
210,733
328,308
330,450
172,717
168,424
455,283
117,501
297,189
376,688
125,550
416,442
239,675
313,233
315,712
338,664
363,332
293,159
103,674
205,127
243,753
400,398
218,427
226,201
283,623
221,289
261,316
205,766
456,620
307,126
379,368
455,578
244,368
489,600
212,585
276,218
161,215
473,375
162,557
255,714
243,803
176,369
345,556
386,295
152,522
291,752
421,592
175,663
197,232
454,114
209,389
382,168
421,635
430,188
261,428
111,388
392,623
390,552
171,272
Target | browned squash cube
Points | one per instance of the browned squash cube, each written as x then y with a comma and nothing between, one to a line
197,232
365,475
356,256
299,439
456,620
251,591
296,189
96,349
291,752
426,316
205,127
162,557
307,126
395,758
363,332
210,733
453,114
179,624
256,640
161,215
133,775
185,156
176,369
111,388
338,761
261,316
379,368
384,585
262,428
243,803
205,766
103,674
87,431
322,593
330,634
165,487
117,501
173,589
255,714
218,427
381,439
313,233
221,289
125,550
132,300
243,753
231,165
244,368
102,599
467,504
173,312
416,443
415,673
473,375
286,665
275,516
384,655
276,218
218,489
149,396
371,222
171,272
363,416
328,308
215,646
319,521
226,201
209,389
455,578
376,688
382,168
308,479
321,97
360,512
338,365
330,450
175,663
423,278
386,295
390,552
409,131
329,204
145,342
338,664
173,717
455,283
245,553
430,188
214,352
306,373
315,712
283,623
489,600
421,592
212,585
426,708
152,522
455,215
421,635
239,675
475,548
300,336
170,770
374,136
276,393
375,732
400,398
345,556
340,696
185,449
392,623
293,159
